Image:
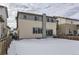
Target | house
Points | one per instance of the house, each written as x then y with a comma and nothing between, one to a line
67,26
1,27
31,25
3,16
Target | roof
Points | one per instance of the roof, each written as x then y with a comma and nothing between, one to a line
65,18
31,14
5,10
1,20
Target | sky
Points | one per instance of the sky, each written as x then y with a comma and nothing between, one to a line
70,10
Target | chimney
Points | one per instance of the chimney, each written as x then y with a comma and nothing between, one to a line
44,26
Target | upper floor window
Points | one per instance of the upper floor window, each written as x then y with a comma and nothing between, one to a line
24,17
47,19
36,18
50,20
77,25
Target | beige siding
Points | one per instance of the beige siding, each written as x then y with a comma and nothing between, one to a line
3,13
1,29
4,17
75,22
68,21
61,21
52,26
64,28
26,28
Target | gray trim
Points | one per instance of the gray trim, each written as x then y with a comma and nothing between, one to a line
65,18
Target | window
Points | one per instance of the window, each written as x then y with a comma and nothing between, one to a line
52,20
24,17
49,32
77,25
70,31
36,18
49,19
37,30
75,32
41,31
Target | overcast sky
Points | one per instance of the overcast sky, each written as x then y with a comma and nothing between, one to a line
52,9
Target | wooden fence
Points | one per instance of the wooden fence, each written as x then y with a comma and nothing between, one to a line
4,45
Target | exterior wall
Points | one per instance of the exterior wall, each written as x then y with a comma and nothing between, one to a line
52,26
64,29
61,21
76,22
30,17
26,28
3,14
1,30
68,21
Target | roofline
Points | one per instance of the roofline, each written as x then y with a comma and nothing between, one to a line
5,10
66,18
47,16
2,6
31,14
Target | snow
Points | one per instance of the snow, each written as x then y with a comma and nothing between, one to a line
48,46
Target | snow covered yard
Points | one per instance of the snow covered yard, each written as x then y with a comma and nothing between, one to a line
49,46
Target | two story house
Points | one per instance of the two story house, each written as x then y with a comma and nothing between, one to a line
31,25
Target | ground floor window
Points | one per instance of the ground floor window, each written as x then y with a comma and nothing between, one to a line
49,32
37,30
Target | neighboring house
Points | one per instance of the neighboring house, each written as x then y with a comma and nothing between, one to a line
4,16
67,26
30,25
1,27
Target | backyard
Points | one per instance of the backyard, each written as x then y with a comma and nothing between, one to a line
48,46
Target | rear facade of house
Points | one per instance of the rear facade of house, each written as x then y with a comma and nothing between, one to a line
31,25
67,26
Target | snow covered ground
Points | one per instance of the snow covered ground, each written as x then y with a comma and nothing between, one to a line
49,46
